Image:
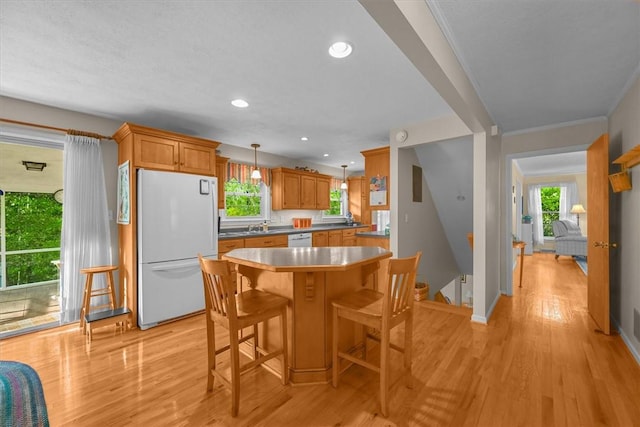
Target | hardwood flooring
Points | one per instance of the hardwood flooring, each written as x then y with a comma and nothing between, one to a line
538,362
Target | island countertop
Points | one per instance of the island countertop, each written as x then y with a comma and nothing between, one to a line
334,258
310,278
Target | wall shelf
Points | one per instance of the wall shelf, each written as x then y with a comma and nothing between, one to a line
621,181
630,158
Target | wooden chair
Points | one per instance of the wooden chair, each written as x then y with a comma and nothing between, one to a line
235,311
381,311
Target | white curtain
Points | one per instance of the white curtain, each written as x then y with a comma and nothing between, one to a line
535,212
568,198
86,241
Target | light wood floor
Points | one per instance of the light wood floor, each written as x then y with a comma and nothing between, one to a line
538,363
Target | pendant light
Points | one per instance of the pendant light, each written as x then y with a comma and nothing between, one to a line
343,186
256,172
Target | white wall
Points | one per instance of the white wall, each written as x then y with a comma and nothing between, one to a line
624,129
419,227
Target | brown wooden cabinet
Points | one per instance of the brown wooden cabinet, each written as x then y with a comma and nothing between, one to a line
161,150
279,241
293,189
320,239
358,203
323,193
335,238
377,165
221,173
381,242
349,237
156,149
225,246
307,192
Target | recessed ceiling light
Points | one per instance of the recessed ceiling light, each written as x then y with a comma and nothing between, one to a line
340,50
325,155
240,103
352,162
304,138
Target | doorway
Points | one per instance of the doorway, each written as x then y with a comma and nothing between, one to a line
30,226
538,167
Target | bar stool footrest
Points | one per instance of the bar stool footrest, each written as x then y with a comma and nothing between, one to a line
107,314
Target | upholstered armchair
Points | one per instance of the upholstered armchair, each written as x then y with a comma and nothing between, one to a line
569,239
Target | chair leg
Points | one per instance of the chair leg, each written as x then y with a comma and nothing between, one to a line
335,366
211,358
86,302
408,342
234,353
384,372
285,350
255,340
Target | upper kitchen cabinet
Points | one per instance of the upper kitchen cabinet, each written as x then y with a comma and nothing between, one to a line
323,193
221,173
377,170
294,189
163,150
359,199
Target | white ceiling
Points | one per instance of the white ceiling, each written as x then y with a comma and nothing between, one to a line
177,65
553,164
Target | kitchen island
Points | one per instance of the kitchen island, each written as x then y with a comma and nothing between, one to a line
310,278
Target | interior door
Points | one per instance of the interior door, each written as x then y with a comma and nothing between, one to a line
598,232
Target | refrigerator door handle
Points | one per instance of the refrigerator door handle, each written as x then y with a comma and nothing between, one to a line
173,267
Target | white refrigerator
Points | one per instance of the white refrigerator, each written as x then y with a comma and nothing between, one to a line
177,220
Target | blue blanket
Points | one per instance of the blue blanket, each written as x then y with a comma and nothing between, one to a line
21,396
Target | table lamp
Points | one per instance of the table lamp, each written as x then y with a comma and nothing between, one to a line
577,209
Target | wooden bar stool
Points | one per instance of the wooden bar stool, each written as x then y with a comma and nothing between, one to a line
235,311
108,313
380,311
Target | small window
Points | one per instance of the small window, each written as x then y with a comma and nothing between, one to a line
338,200
550,198
245,198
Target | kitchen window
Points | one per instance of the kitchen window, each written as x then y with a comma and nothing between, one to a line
245,198
338,200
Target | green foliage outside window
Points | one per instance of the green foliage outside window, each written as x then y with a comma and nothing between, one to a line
33,221
242,199
550,198
335,203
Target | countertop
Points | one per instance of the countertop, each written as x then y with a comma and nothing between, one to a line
334,258
240,234
379,234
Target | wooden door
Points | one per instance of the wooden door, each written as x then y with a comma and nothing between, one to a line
153,152
323,193
307,192
291,191
221,173
598,232
197,159
320,239
335,238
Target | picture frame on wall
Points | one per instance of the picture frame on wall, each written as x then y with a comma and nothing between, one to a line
124,201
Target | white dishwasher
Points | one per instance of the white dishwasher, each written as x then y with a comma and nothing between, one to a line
300,240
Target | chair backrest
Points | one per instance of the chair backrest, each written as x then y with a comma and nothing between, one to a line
401,280
565,227
219,288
